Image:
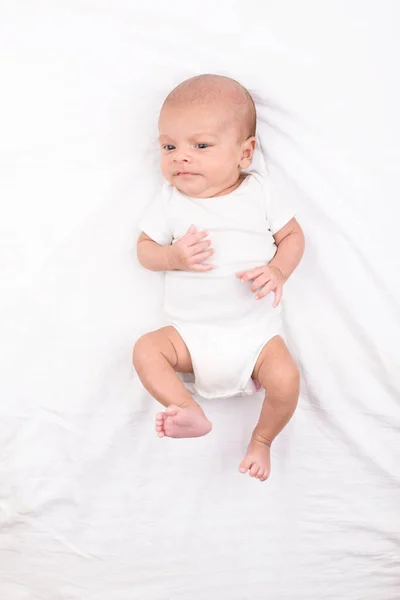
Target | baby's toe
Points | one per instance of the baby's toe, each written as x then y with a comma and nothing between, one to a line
245,465
254,469
160,419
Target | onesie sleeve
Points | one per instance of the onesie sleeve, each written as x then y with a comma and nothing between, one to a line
154,221
279,202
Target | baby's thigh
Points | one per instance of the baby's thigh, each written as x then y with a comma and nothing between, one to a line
168,343
275,366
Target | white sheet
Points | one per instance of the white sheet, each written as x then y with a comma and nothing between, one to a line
92,505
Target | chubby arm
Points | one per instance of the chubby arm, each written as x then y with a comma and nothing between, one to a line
290,243
153,256
270,278
187,254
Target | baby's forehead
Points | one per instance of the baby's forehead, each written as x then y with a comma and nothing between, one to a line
194,120
213,96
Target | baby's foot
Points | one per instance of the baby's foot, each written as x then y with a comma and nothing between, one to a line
177,422
257,460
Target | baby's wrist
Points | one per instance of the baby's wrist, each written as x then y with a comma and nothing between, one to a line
170,258
279,271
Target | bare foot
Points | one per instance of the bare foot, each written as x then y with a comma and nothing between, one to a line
177,422
257,460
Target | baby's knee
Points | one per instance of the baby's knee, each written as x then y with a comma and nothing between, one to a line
143,350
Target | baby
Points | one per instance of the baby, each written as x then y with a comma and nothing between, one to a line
227,248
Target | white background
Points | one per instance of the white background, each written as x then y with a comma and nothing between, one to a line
92,505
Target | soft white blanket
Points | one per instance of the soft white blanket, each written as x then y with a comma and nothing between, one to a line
92,505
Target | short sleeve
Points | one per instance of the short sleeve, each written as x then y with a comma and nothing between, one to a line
279,201
154,221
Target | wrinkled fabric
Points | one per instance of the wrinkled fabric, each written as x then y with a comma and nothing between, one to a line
92,504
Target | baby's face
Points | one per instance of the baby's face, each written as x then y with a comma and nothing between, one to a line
201,151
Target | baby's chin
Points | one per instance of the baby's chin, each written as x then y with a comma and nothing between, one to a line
191,185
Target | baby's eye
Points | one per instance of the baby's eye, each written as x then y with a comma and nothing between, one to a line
168,147
202,146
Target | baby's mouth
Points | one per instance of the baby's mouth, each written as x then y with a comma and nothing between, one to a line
184,174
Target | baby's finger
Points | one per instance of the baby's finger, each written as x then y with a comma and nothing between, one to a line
259,282
252,274
200,247
198,258
201,267
196,237
191,230
278,296
267,289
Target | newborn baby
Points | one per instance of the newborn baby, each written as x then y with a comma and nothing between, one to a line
227,248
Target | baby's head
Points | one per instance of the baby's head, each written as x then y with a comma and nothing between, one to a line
207,132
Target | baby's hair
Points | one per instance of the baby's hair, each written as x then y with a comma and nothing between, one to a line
218,88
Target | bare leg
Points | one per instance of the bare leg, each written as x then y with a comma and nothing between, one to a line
279,376
156,357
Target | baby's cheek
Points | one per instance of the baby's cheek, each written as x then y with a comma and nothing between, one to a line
215,171
166,170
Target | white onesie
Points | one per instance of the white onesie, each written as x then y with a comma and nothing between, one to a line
218,317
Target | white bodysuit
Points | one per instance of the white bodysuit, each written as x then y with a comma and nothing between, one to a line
218,317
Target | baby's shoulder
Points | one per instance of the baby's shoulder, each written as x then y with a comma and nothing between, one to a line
258,180
257,186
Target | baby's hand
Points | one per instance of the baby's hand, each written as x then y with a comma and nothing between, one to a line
265,280
190,251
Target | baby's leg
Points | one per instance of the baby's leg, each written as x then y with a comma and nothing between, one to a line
156,357
279,376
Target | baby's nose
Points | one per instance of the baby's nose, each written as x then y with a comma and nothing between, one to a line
181,156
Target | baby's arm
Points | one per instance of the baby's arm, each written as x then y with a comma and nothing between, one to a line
186,254
271,277
290,243
153,256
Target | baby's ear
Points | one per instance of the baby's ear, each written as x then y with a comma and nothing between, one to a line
248,148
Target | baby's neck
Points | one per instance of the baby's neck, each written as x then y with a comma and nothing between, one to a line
231,188
222,191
